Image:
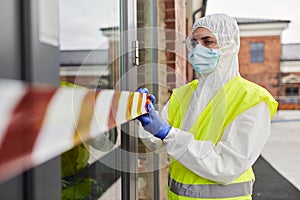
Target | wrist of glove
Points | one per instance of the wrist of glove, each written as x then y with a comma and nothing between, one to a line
155,124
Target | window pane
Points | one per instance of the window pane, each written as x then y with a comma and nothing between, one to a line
257,52
89,48
89,42
292,95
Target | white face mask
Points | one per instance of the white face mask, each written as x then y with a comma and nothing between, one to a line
204,60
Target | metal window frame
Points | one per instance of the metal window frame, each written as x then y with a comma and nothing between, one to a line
129,143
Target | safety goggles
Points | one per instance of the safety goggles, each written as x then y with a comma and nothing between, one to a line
191,43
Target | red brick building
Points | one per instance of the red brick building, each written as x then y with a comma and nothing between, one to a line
267,62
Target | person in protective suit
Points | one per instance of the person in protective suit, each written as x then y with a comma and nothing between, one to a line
213,128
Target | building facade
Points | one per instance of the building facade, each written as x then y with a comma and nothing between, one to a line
266,61
289,98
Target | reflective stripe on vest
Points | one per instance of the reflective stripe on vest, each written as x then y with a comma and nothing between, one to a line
211,190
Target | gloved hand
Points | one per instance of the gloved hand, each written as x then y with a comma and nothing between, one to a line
155,124
152,122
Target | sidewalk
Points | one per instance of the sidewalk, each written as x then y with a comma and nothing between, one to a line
283,148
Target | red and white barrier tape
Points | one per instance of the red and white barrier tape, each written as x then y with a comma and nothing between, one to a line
40,123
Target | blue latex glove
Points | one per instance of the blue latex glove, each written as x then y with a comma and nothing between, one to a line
155,124
151,122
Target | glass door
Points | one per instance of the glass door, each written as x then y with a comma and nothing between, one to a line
97,51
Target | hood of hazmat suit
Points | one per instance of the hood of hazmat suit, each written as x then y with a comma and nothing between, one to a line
226,31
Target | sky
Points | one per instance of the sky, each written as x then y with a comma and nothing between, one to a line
265,9
80,20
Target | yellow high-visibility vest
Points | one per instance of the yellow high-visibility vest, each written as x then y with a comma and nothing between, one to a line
234,98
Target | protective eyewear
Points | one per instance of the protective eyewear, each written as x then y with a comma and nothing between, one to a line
191,42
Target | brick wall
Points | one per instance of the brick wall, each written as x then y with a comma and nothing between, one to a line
171,62
170,26
266,74
175,25
166,77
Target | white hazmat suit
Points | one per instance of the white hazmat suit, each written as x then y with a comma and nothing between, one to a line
243,140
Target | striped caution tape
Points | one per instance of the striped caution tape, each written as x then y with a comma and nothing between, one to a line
38,123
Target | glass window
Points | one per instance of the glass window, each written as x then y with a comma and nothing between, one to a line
89,48
257,52
89,32
292,94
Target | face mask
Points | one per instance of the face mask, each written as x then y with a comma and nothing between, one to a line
204,60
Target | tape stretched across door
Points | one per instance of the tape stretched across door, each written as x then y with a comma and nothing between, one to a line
38,123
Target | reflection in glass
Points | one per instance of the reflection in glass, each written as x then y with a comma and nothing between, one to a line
88,57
